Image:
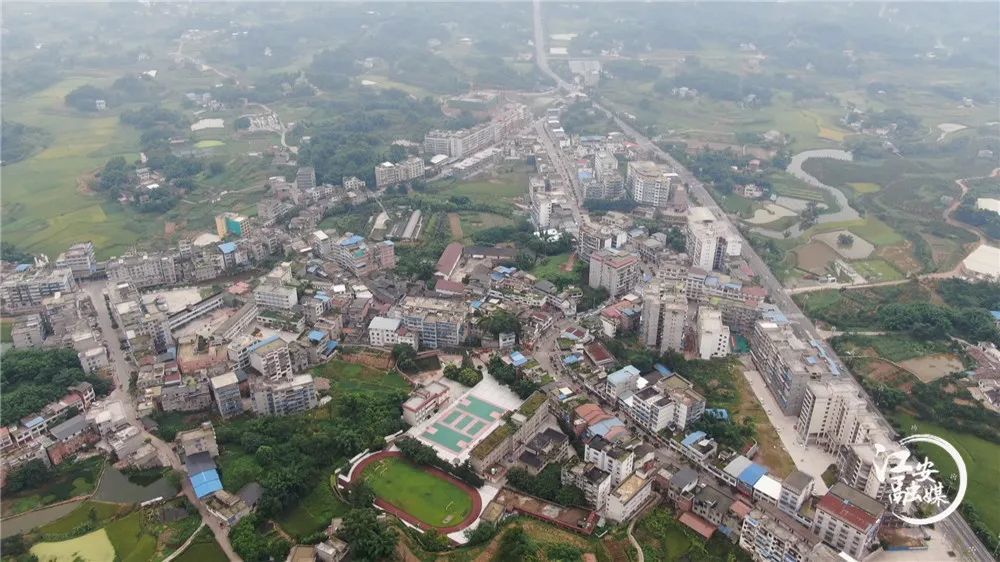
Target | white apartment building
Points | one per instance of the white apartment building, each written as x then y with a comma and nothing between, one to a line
226,392
608,180
93,359
796,489
768,534
275,296
388,173
436,322
28,288
461,142
628,497
713,335
270,357
384,332
649,183
787,363
618,272
284,396
79,258
143,271
595,483
664,317
611,458
709,241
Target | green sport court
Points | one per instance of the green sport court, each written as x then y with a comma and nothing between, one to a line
463,423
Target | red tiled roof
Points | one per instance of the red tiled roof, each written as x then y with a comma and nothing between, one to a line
740,508
597,352
850,514
447,286
697,524
449,258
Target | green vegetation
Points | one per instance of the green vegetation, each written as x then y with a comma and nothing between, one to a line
204,548
370,539
430,499
546,485
463,375
664,539
34,377
877,270
314,512
894,347
92,546
980,459
171,423
45,487
254,545
347,377
857,309
20,141
89,513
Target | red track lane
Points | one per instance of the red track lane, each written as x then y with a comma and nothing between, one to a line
477,502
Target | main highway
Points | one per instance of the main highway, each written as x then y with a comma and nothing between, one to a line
956,528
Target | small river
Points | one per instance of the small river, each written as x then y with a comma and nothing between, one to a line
27,521
845,213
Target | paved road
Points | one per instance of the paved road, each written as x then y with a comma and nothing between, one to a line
957,528
121,369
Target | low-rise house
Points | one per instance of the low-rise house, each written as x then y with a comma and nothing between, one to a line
424,402
628,498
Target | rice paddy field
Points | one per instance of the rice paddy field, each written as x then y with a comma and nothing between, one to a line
92,547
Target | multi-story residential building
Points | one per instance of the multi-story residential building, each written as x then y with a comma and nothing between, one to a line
79,258
618,272
387,332
713,335
436,322
284,396
424,402
94,359
857,465
462,142
611,458
509,439
848,520
610,233
649,183
628,497
710,241
608,182
226,391
547,446
387,173
188,395
664,317
768,534
270,209
711,504
796,489
787,363
654,401
305,178
741,305
28,331
355,255
595,483
384,255
270,358
27,287
144,271
274,296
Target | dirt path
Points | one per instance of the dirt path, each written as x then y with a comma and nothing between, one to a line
570,263
455,222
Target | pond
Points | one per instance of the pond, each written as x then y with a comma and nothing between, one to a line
27,521
115,487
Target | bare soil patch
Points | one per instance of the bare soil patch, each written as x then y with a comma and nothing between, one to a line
455,222
901,257
815,257
932,367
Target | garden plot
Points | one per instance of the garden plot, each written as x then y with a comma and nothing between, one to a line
858,250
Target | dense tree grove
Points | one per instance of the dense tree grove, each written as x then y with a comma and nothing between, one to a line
516,544
965,294
930,321
500,321
547,485
405,356
508,375
20,141
464,375
370,539
29,475
255,546
31,378
11,253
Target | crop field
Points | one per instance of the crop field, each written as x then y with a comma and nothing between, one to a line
203,549
101,511
877,270
501,188
434,501
92,547
472,222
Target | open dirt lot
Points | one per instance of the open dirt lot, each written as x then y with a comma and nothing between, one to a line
455,222
815,257
932,367
770,213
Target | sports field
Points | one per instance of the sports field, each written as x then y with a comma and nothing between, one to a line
456,429
427,497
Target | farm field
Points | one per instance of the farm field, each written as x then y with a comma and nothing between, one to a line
71,480
203,549
350,377
92,547
102,511
550,266
432,500
500,188
472,222
980,460
877,270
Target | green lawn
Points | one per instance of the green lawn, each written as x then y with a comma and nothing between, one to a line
350,377
550,266
982,459
473,222
314,512
426,497
85,512
6,330
898,347
500,188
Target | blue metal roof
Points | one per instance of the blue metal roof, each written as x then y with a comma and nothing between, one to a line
351,241
571,359
227,247
205,483
317,335
518,358
693,438
331,345
752,474
21,268
663,369
262,343
718,413
33,422
603,427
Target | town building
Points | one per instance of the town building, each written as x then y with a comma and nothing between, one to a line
655,401
424,402
387,173
546,447
270,357
649,183
618,272
28,331
612,458
459,143
787,362
305,178
508,440
628,497
284,396
144,270
79,259
226,391
436,322
710,241
275,296
26,287
595,483
664,317
713,335
796,490
608,181
199,440
848,520
768,534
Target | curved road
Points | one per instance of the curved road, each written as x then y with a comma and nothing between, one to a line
958,530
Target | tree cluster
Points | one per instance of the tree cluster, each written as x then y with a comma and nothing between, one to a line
547,485
421,454
509,376
370,539
463,375
32,378
500,322
11,253
20,141
930,321
28,476
255,546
